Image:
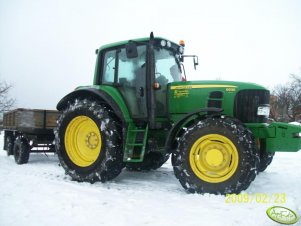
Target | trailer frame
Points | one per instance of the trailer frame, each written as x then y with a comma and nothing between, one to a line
29,131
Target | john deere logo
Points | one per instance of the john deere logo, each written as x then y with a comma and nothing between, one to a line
282,215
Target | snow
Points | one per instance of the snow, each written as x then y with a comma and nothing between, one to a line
39,193
295,123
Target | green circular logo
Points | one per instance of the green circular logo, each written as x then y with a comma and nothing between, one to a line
282,215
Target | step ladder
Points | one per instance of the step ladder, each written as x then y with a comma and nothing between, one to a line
134,147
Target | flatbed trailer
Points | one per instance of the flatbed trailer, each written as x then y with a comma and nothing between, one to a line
29,131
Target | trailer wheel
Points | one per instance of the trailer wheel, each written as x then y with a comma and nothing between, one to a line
9,145
21,150
88,142
216,155
266,158
152,161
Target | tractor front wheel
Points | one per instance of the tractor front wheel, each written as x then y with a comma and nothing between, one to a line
216,155
88,142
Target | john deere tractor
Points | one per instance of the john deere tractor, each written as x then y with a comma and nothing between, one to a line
140,110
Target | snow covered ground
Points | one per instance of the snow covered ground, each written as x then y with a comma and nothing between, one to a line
38,193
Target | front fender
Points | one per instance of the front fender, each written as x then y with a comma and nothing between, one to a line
184,121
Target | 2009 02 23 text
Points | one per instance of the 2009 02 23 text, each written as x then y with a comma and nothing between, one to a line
262,198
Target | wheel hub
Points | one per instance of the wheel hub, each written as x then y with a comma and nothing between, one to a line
213,158
92,140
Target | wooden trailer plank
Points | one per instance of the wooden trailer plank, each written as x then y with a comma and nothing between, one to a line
30,118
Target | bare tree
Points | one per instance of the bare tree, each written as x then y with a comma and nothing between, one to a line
6,102
280,103
286,100
274,109
295,98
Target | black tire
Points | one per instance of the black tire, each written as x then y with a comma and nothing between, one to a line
152,161
9,145
109,161
244,159
266,158
21,150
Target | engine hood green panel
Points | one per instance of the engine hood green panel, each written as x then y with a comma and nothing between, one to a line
189,96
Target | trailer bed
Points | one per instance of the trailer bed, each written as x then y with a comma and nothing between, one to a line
30,119
30,129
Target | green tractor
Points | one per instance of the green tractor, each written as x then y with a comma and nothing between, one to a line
140,110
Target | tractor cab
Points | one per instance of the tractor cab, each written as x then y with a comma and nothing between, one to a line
141,70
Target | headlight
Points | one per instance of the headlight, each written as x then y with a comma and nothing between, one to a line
263,110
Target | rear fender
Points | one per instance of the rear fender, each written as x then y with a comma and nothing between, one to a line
100,95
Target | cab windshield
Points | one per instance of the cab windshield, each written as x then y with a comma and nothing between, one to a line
167,66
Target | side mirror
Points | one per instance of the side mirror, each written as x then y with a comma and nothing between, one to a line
131,50
195,62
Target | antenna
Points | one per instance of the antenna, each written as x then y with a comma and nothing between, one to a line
152,35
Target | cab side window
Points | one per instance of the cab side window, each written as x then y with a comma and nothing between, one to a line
109,67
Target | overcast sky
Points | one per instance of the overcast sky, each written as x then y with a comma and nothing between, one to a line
47,48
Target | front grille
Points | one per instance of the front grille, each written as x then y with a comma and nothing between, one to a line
246,104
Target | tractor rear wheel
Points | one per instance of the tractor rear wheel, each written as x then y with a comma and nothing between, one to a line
88,142
216,155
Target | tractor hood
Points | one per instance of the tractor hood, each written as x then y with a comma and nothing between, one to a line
228,86
237,99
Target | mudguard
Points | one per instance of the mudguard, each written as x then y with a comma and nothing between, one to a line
184,120
97,94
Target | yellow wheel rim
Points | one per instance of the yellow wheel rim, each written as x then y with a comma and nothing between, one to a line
213,158
83,141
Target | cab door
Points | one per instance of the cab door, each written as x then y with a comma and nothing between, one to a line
129,77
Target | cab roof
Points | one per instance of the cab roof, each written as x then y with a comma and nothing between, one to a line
120,43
